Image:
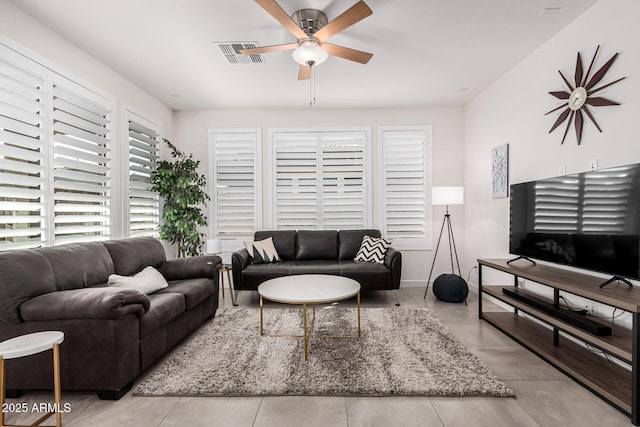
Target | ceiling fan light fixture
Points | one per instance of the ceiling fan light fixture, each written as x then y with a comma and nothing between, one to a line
309,53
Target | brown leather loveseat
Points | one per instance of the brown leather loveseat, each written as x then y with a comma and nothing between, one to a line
112,334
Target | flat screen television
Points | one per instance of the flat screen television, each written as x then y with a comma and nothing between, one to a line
589,220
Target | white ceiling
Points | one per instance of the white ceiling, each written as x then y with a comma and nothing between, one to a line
426,52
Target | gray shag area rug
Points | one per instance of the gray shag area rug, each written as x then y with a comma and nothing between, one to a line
401,352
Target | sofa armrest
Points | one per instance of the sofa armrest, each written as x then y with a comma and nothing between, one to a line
240,259
85,303
191,267
393,261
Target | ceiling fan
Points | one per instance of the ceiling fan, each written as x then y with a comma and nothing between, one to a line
311,27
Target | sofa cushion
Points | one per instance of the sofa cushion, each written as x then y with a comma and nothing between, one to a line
24,274
78,265
146,281
86,303
316,267
132,255
283,240
164,308
370,275
349,242
317,245
194,291
262,251
373,249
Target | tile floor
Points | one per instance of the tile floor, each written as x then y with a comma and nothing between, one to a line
545,396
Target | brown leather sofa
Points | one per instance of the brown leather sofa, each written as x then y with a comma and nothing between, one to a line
318,252
112,335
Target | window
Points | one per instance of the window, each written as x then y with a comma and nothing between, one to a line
406,184
22,151
144,205
81,163
233,178
55,158
320,179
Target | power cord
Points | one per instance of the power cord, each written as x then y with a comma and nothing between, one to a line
470,270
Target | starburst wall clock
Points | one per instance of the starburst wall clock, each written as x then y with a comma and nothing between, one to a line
581,96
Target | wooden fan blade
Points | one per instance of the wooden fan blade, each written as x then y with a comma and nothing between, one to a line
304,72
274,9
571,88
577,124
593,120
567,128
561,94
591,92
556,109
267,49
353,15
600,102
586,76
347,53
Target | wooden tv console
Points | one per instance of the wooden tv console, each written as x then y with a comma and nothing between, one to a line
614,383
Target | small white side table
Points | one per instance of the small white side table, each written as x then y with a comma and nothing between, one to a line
27,345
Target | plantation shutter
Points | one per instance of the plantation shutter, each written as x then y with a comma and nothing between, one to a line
235,192
406,185
22,151
81,157
343,181
144,204
320,180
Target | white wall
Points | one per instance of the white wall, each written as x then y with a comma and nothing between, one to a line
512,111
191,135
80,66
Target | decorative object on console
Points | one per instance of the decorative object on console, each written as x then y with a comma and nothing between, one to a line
500,171
580,94
262,251
446,196
183,190
214,246
373,249
311,29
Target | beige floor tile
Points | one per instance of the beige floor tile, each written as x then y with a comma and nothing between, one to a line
391,411
479,333
128,411
296,411
481,412
516,363
213,411
73,404
565,403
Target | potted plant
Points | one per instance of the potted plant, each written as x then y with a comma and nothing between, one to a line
183,190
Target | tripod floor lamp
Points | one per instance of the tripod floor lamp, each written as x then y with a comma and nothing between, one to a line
446,196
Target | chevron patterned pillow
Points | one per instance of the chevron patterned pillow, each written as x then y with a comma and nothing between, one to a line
373,249
262,251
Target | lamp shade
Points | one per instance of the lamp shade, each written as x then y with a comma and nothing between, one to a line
214,246
447,195
309,53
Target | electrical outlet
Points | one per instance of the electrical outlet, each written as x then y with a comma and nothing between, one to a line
563,170
520,283
593,165
592,309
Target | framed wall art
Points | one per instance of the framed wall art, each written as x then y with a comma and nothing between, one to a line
500,171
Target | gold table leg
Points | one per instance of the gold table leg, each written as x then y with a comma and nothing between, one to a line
56,384
358,314
306,348
233,302
261,331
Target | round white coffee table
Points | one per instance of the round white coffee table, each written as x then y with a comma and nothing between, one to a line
308,289
26,345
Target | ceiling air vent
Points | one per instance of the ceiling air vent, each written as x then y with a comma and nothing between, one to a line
232,55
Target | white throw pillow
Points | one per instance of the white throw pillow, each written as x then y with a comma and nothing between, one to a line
147,281
373,249
262,251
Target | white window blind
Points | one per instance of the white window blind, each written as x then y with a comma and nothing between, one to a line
22,151
320,180
144,204
81,163
406,185
234,178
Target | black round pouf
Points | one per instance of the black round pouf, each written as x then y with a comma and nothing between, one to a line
450,288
